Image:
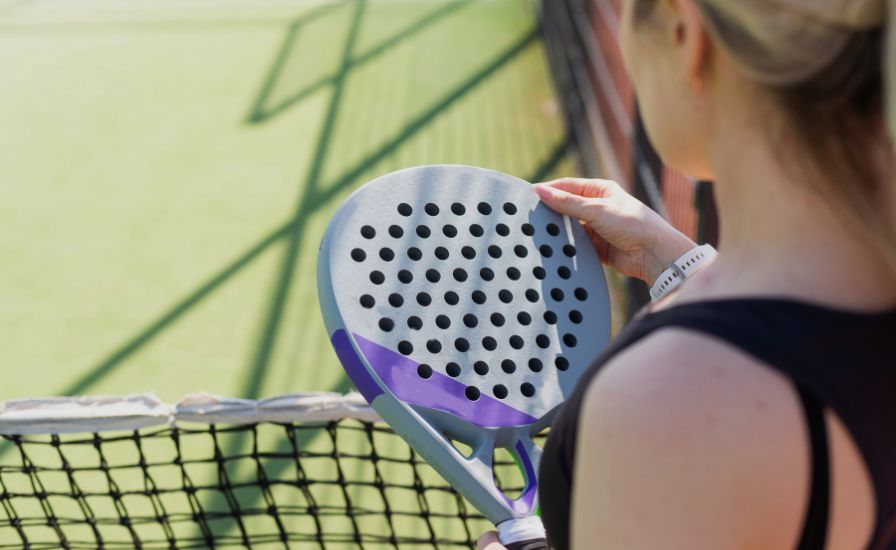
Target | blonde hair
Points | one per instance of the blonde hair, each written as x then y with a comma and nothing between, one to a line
832,64
783,42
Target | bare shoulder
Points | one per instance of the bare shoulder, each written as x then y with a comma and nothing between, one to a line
688,442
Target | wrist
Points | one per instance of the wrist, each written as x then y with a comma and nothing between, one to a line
668,247
685,267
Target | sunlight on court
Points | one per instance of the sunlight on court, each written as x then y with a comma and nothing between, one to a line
170,168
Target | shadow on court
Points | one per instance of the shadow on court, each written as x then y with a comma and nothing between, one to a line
316,192
151,24
262,109
313,196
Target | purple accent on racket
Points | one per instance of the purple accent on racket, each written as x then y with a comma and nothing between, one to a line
523,503
439,392
354,367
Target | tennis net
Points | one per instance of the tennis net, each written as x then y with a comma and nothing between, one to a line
301,471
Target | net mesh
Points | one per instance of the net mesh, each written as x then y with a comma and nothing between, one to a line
343,483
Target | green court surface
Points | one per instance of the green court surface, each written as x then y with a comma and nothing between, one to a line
168,168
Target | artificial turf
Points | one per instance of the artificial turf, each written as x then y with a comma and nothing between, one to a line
168,169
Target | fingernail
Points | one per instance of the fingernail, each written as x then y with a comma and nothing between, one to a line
543,192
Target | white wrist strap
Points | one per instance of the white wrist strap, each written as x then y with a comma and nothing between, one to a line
681,269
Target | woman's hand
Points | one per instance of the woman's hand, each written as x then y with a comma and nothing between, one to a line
489,541
627,234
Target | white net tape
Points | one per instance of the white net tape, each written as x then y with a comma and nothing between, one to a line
57,415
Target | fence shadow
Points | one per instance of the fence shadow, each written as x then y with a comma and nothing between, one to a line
313,197
316,192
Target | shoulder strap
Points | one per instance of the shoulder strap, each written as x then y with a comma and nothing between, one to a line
815,525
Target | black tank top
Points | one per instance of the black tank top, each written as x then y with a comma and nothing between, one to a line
838,360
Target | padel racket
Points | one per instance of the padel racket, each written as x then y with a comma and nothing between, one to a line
464,309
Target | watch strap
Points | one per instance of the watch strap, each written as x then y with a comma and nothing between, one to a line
682,268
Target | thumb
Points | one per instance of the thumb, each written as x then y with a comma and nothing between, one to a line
565,203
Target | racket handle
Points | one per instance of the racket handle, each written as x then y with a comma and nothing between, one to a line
523,534
531,544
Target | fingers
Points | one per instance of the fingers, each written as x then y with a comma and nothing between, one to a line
594,188
489,541
567,203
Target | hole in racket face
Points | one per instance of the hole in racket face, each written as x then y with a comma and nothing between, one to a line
475,292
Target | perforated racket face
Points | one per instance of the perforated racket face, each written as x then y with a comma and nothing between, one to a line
464,293
462,308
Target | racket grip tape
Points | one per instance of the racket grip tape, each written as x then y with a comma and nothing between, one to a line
525,533
531,544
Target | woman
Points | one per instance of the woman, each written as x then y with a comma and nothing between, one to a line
754,406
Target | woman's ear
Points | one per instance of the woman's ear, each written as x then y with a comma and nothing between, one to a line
695,43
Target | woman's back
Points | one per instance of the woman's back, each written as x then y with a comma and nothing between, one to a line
835,360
